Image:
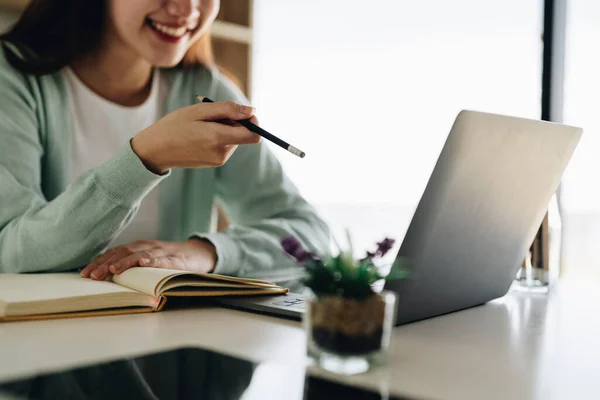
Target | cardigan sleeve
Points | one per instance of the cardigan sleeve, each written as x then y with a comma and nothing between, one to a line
37,235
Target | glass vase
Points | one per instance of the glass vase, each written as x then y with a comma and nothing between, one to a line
543,274
348,336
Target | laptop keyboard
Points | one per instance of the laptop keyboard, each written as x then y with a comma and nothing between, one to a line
293,302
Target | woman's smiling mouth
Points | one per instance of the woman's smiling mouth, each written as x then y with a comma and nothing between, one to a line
167,32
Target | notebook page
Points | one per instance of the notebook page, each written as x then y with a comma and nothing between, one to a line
151,280
144,279
20,288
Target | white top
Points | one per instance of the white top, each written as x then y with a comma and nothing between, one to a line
101,128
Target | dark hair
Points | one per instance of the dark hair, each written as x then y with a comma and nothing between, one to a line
51,33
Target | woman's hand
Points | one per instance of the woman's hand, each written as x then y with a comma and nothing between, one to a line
191,138
192,255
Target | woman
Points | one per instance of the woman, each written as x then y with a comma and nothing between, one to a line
91,175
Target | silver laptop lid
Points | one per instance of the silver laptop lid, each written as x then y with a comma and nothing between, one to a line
480,211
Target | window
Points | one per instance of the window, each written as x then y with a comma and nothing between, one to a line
580,193
369,90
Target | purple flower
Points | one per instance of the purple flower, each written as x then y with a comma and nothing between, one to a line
384,246
294,248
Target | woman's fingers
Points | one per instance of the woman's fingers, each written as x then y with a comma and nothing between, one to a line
157,254
220,110
168,262
254,120
100,273
140,258
199,139
87,271
228,135
99,269
103,270
125,263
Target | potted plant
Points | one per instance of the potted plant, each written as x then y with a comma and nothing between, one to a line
348,322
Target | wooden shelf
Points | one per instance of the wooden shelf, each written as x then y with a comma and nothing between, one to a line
236,11
13,5
232,37
235,58
230,31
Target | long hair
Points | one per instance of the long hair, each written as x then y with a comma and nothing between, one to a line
51,34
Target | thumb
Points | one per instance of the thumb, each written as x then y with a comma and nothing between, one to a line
220,110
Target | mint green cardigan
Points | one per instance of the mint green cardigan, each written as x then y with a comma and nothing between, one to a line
47,224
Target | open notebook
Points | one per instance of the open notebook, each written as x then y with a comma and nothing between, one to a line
60,295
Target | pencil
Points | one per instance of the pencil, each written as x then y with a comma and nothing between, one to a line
260,131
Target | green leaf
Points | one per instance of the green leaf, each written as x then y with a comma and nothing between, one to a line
399,270
350,243
337,244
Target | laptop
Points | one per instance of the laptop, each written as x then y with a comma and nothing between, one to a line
479,213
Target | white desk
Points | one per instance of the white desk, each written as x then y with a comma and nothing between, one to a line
519,347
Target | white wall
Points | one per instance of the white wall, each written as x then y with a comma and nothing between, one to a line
370,89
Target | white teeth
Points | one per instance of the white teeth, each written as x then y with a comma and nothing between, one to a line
167,30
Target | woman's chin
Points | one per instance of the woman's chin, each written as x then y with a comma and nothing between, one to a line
165,60
167,64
